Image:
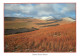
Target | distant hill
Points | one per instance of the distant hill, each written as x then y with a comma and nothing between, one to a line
9,18
14,18
29,22
69,19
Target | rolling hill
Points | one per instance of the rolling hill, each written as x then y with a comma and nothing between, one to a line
61,38
15,25
69,19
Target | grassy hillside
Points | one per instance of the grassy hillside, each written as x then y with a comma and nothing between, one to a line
14,25
60,38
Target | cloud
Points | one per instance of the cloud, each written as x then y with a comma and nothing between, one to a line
38,10
44,9
19,7
12,7
69,8
18,15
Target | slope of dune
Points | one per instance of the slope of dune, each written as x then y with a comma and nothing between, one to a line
68,19
60,38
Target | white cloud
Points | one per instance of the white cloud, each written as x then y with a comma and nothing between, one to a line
40,9
27,8
44,9
12,7
18,15
68,8
43,13
18,7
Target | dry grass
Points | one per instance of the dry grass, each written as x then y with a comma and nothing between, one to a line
52,39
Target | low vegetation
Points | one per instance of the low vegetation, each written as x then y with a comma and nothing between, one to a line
60,38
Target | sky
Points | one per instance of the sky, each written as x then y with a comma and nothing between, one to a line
57,10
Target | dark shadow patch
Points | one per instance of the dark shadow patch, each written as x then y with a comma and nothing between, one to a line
48,22
20,30
51,25
14,18
9,18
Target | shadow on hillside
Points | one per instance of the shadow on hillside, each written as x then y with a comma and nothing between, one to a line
20,30
48,22
51,25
